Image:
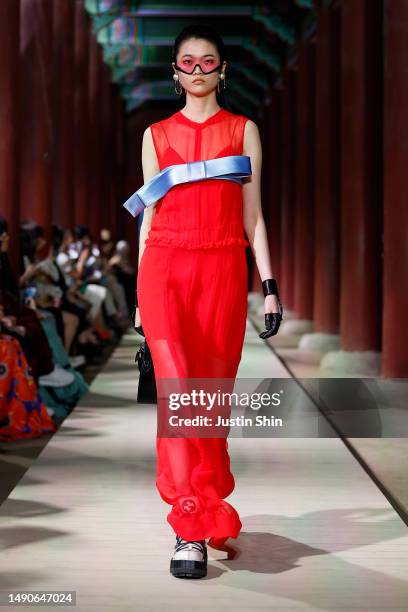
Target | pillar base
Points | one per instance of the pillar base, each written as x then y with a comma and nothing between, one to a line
255,301
295,327
320,342
359,363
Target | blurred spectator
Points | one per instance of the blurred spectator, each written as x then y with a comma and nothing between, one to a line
70,294
124,271
39,273
23,414
33,339
89,270
122,316
73,302
61,398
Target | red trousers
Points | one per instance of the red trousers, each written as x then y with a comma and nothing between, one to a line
193,307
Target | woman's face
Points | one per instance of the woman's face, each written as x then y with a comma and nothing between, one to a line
68,238
194,51
106,247
41,244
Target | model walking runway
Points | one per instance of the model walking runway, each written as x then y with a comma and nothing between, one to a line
192,295
193,279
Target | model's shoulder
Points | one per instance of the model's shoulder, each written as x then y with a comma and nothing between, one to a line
157,125
248,121
150,128
230,115
241,118
250,126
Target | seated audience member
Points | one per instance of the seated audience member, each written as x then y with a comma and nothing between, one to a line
121,318
66,257
33,333
73,302
61,398
33,339
23,413
88,270
37,272
124,271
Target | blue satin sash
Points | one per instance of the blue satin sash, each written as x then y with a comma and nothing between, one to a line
231,168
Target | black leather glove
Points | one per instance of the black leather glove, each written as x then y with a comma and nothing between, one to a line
272,319
272,323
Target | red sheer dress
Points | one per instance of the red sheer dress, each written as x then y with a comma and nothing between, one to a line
192,295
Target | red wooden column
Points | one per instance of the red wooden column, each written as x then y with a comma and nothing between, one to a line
106,148
81,116
36,126
95,193
361,162
288,191
63,90
135,124
304,170
395,296
9,69
122,220
116,156
327,174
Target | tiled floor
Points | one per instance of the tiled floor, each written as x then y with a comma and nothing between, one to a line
317,533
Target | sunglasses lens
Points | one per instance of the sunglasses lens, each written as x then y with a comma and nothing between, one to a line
189,65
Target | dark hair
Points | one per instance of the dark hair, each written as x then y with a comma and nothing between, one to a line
80,231
29,232
57,236
3,225
207,33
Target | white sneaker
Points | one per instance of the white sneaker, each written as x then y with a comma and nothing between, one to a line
57,378
189,559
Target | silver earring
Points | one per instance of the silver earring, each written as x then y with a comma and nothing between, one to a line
222,79
179,90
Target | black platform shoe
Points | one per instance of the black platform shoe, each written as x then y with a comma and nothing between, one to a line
189,559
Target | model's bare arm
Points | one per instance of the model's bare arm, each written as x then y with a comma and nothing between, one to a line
151,167
254,222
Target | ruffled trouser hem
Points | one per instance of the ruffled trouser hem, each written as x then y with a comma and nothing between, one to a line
195,518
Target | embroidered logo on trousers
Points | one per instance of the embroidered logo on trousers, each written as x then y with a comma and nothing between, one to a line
189,505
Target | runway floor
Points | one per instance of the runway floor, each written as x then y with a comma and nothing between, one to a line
317,532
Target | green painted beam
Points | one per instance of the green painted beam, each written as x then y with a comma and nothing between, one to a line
247,94
262,55
98,7
162,31
253,77
138,8
137,37
250,58
102,21
275,24
120,72
306,4
309,24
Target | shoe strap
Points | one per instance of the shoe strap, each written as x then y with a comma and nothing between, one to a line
198,545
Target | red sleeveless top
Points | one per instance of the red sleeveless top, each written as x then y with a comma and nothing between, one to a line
208,213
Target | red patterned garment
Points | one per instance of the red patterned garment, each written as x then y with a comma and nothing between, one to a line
22,412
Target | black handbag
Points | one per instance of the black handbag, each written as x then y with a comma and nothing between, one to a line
146,392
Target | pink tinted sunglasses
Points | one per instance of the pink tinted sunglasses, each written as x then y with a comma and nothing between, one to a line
188,65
